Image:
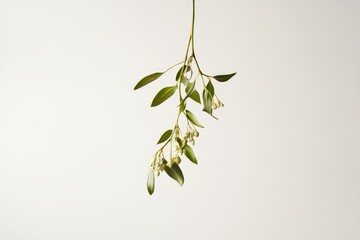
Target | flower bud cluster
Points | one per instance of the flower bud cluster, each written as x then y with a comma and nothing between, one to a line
216,103
158,164
175,156
191,134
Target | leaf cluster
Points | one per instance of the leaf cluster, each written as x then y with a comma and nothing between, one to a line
178,139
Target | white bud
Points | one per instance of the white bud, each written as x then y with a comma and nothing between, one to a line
177,160
196,133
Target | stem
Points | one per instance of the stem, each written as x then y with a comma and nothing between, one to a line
182,70
172,134
202,79
197,64
172,66
192,41
192,27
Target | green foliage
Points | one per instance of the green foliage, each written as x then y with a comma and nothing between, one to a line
224,78
148,79
189,153
181,74
163,95
182,106
210,88
195,96
180,142
175,173
189,89
207,101
177,141
151,182
192,92
165,136
193,119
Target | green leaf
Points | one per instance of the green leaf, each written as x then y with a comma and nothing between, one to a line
189,153
148,79
175,173
166,135
180,142
151,182
183,79
184,69
210,88
193,119
189,88
192,93
182,105
224,78
207,101
195,96
191,74
163,95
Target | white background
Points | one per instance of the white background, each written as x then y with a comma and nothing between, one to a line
283,161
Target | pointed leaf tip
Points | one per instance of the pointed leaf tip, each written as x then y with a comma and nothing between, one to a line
193,119
195,96
189,153
175,173
148,79
165,136
224,78
151,182
207,101
163,95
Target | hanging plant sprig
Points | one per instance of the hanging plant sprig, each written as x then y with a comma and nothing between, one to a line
177,141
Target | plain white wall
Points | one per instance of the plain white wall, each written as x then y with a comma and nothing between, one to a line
283,161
